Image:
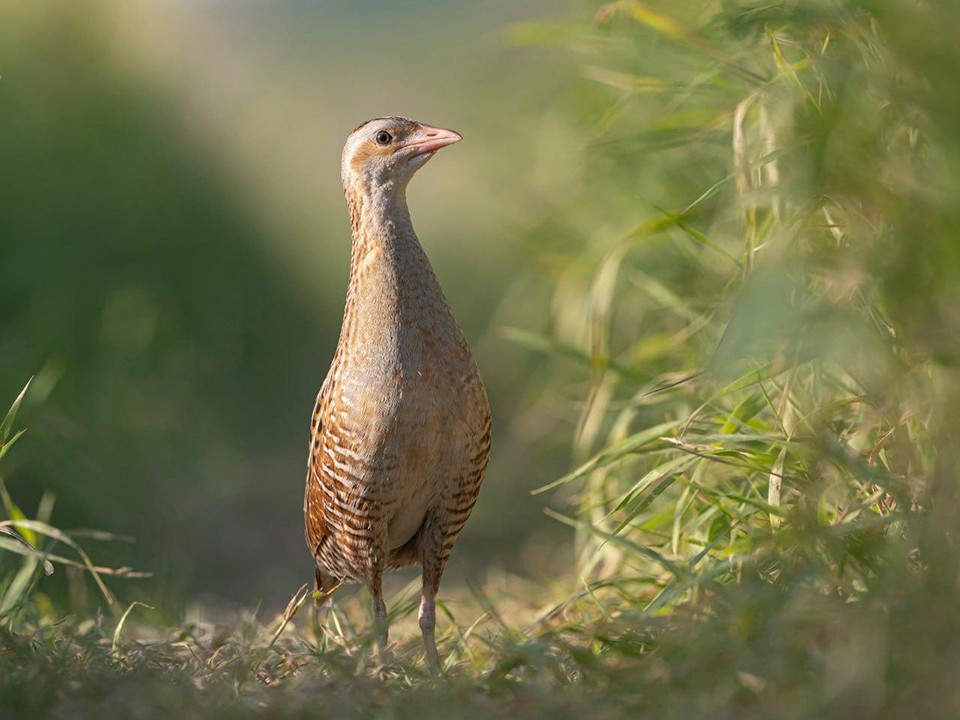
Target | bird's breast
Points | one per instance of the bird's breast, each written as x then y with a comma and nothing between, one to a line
410,401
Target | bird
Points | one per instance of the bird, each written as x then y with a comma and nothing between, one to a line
400,432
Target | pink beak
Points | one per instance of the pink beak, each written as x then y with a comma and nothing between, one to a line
430,139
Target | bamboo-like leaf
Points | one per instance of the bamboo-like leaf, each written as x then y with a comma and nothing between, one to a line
675,589
12,542
755,376
4,446
20,586
641,502
670,28
549,346
741,498
59,535
663,24
745,411
15,513
619,540
627,82
631,445
774,486
664,470
707,242
7,425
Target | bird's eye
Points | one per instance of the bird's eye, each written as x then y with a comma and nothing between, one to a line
383,137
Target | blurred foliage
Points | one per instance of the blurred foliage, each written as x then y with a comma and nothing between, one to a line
780,295
742,218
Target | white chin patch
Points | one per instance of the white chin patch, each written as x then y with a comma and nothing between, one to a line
419,161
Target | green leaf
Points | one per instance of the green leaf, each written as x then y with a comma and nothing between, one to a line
673,590
56,534
745,411
15,513
20,585
12,542
670,28
7,425
549,346
629,446
4,446
619,540
668,470
707,242
115,646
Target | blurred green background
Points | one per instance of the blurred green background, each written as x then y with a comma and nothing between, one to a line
175,250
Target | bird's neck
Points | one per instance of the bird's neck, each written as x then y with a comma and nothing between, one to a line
388,267
380,220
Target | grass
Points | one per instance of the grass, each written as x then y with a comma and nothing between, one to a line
754,340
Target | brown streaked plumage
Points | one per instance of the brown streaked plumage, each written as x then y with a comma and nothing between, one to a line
401,428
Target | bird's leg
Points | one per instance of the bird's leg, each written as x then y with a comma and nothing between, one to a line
433,563
428,622
380,619
433,549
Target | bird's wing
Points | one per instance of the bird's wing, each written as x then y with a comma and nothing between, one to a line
463,494
480,453
315,524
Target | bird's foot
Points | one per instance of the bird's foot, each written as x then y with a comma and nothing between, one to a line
321,596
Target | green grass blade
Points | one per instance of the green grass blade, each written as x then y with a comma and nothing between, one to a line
629,446
7,425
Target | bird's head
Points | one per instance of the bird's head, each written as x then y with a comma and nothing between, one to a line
386,152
